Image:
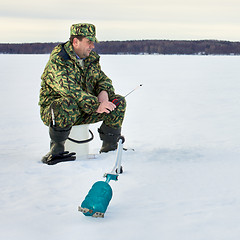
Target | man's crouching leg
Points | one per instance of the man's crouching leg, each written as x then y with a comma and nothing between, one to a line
110,130
60,118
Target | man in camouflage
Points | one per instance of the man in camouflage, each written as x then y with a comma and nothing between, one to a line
75,91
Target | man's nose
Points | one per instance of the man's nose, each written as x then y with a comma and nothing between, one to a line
92,46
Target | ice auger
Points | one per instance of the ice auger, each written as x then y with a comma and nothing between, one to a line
97,200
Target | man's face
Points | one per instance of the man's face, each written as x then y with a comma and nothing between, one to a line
83,48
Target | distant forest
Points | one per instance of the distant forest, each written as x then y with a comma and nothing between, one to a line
200,47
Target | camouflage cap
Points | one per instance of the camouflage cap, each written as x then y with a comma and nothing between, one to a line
84,29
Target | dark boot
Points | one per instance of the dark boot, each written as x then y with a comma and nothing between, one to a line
57,154
109,136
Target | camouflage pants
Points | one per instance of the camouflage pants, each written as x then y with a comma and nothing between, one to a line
67,114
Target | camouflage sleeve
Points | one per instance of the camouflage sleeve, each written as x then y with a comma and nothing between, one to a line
62,81
105,84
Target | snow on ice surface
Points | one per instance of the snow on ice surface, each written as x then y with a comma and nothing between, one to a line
182,180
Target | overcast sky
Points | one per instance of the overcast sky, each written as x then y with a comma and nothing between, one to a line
50,20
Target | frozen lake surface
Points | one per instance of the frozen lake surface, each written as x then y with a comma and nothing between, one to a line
181,182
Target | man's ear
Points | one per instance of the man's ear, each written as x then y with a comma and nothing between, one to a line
75,42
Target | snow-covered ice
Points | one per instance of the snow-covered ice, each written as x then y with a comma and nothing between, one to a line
181,182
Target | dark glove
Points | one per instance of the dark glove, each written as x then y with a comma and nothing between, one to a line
61,157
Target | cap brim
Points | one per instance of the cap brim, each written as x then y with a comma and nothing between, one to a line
93,39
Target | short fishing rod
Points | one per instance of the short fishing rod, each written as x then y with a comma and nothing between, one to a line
117,102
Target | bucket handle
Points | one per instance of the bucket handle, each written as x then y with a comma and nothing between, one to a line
82,141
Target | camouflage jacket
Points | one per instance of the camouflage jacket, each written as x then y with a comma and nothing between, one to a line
64,77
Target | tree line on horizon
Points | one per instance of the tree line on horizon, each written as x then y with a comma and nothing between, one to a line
188,47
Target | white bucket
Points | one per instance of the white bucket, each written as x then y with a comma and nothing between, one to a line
79,133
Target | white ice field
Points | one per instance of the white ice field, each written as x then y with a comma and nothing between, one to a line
182,182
